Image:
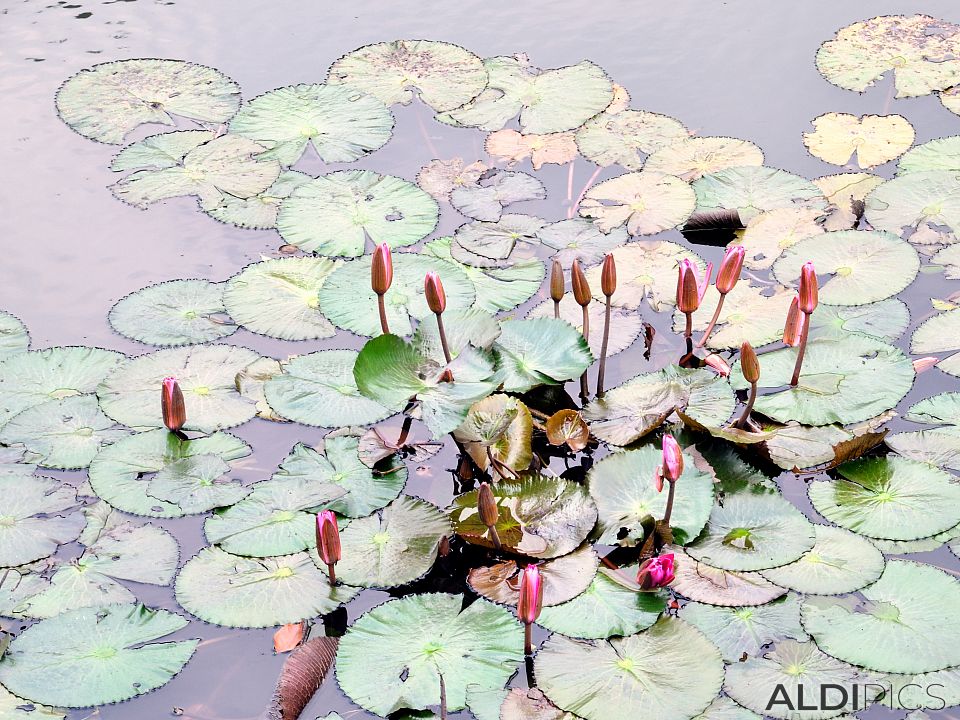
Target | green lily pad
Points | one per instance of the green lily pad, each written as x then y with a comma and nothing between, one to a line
625,137
628,412
14,708
671,672
625,326
281,298
37,517
340,123
105,102
941,409
14,337
498,426
930,196
768,234
64,434
224,589
744,631
95,656
492,244
699,582
207,376
931,691
937,154
542,351
419,639
462,327
749,314
890,498
907,637
259,211
752,190
564,578
177,312
691,158
937,335
15,587
335,213
444,75
165,150
196,484
486,199
647,202
579,238
120,474
540,516
393,546
350,303
723,708
940,446
885,320
866,266
842,381
948,259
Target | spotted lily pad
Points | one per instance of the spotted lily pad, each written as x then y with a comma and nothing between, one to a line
841,191
930,196
564,578
692,158
15,587
752,190
38,515
14,337
440,177
768,234
647,202
486,199
579,238
874,139
625,137
542,351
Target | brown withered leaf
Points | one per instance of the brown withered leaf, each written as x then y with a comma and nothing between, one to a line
302,675
509,145
566,427
288,637
563,578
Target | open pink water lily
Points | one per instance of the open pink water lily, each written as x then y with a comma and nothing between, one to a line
656,572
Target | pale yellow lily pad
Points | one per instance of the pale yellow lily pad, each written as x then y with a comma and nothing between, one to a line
874,139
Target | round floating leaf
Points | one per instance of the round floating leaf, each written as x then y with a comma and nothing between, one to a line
692,158
65,434
281,298
524,703
842,381
419,639
768,234
938,334
542,351
259,212
117,474
445,76
95,656
207,376
723,708
33,521
178,312
940,446
874,139
15,587
625,326
948,258
498,427
606,608
564,578
647,202
891,498
491,244
14,708
884,320
931,691
942,409
107,101
350,303
462,327
440,177
931,196
393,546
701,583
920,51
34,377
513,147
841,191
232,591
866,266
335,213
938,154
486,199
670,672
623,138
628,412
794,446
755,189
165,150
740,632
540,516
749,314
318,389
340,123
622,486
196,484
839,562
906,636
14,337
753,532
580,238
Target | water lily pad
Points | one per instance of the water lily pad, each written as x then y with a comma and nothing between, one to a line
866,265
647,202
281,298
512,147
120,473
319,389
335,213
628,412
885,320
940,447
723,708
440,177
542,351
691,158
491,244
38,515
948,258
891,498
937,154
907,637
670,671
841,191
196,484
749,314
95,656
699,582
393,546
752,190
15,587
177,312
206,374
486,199
625,325
564,578
14,337
622,486
444,75
65,434
768,234
107,101
941,409
540,516
839,562
499,426
14,708
930,196
259,211
462,327
625,137
419,639
579,238
801,447
339,463
224,589
165,150
740,632
937,334
874,139
349,302
340,123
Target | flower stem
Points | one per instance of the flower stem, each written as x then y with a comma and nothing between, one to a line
443,696
556,309
443,337
688,330
572,210
803,348
528,639
742,422
603,348
495,537
669,511
383,315
333,575
713,321
584,387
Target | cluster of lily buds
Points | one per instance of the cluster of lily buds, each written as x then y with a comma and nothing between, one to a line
328,541
171,405
531,595
672,466
690,290
656,572
381,269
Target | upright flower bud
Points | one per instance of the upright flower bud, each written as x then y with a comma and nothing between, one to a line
688,295
749,364
328,538
433,289
556,281
171,405
730,267
531,595
672,459
487,505
656,572
608,276
581,290
808,288
381,269
793,328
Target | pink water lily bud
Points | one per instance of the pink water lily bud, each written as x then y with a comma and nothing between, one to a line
487,505
531,594
656,572
808,288
171,405
608,275
730,267
556,281
433,289
672,459
328,537
578,281
381,269
690,290
717,363
749,363
793,328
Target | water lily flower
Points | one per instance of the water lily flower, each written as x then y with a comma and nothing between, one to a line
608,285
530,602
656,572
381,277
171,405
750,367
727,277
672,458
807,302
489,512
608,276
437,302
793,328
690,292
583,296
556,286
328,542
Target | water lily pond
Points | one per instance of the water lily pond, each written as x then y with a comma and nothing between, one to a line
536,362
